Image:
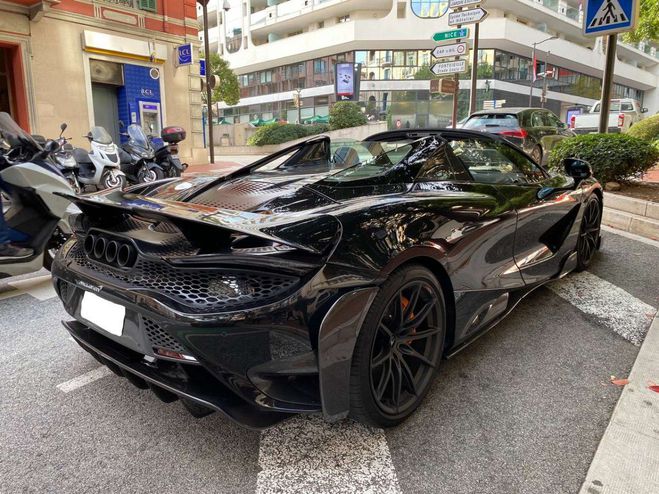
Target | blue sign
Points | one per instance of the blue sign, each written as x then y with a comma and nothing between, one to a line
184,54
202,67
604,17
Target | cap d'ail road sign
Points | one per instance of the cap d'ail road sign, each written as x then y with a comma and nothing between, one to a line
454,50
454,67
450,35
609,16
467,16
455,4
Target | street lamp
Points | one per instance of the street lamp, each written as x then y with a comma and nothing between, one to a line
209,89
533,68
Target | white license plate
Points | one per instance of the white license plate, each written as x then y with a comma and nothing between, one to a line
103,313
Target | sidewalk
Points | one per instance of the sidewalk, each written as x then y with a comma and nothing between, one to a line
627,459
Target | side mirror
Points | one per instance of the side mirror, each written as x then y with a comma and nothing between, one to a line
63,127
577,168
51,147
644,110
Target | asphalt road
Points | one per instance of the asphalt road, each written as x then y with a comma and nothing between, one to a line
521,410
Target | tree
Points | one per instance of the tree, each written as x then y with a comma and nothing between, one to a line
346,114
228,89
424,73
647,28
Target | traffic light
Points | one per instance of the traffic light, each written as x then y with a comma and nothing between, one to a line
214,81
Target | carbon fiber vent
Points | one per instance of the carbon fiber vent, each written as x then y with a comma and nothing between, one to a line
203,290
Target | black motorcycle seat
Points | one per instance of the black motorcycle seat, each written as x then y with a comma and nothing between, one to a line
81,156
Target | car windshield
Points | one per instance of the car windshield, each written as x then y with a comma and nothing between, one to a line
13,134
361,160
138,136
492,120
100,135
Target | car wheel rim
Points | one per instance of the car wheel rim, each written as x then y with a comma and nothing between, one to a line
589,234
405,348
536,155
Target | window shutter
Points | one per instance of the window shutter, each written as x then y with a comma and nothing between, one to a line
148,5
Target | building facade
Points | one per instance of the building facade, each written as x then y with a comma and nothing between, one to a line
279,46
101,62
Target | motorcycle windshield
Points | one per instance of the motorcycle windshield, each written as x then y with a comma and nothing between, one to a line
138,136
14,135
100,135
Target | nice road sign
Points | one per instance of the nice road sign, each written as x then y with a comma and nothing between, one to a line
443,68
454,50
451,35
456,4
470,16
604,17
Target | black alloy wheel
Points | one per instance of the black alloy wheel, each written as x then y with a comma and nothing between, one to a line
399,348
589,233
536,154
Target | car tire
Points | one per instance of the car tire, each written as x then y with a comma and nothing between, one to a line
536,154
589,232
394,364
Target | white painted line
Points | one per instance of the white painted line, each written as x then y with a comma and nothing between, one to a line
39,287
631,236
306,454
613,306
80,381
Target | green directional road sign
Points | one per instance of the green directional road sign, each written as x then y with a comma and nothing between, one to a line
450,35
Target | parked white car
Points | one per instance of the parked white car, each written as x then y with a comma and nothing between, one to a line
623,113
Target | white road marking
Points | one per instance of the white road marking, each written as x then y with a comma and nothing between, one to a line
39,287
80,381
306,454
632,236
613,306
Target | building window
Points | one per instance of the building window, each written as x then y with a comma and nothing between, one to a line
429,9
320,66
344,18
149,5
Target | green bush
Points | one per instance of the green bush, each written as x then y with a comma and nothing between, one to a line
647,129
278,133
346,114
611,156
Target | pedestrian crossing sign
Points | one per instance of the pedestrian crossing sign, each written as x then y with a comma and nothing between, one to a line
604,17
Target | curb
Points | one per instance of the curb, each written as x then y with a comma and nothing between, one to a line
631,215
627,458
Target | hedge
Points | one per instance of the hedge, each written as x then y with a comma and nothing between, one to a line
613,157
647,129
278,133
346,114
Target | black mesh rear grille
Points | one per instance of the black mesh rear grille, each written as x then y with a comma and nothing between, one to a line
159,338
203,290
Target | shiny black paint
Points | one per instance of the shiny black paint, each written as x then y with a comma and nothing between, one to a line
488,244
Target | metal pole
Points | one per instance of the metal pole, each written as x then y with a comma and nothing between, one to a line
456,81
474,71
209,91
299,106
544,81
607,83
532,75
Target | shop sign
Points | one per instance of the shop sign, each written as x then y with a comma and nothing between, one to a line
184,55
147,92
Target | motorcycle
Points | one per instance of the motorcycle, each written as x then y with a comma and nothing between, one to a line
33,201
100,167
67,163
167,155
139,158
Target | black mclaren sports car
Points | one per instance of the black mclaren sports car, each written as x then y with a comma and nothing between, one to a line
330,277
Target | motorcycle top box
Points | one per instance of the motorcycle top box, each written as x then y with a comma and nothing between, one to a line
173,134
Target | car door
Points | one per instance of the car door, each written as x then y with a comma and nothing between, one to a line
547,207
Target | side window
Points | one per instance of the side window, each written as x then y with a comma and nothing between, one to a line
537,120
439,167
553,120
494,162
627,106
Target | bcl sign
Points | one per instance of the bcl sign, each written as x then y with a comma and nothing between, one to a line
184,55
454,67
454,50
467,17
450,35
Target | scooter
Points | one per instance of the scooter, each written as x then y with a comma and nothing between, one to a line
167,155
100,167
67,163
139,158
33,203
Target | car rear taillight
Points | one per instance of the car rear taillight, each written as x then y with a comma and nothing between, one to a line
521,133
621,120
573,121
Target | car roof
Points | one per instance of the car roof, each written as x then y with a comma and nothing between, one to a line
393,135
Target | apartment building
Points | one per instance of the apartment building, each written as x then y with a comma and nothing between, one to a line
278,46
99,62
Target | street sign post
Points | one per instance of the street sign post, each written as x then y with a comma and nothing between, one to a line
451,35
453,67
448,86
454,50
470,16
602,17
